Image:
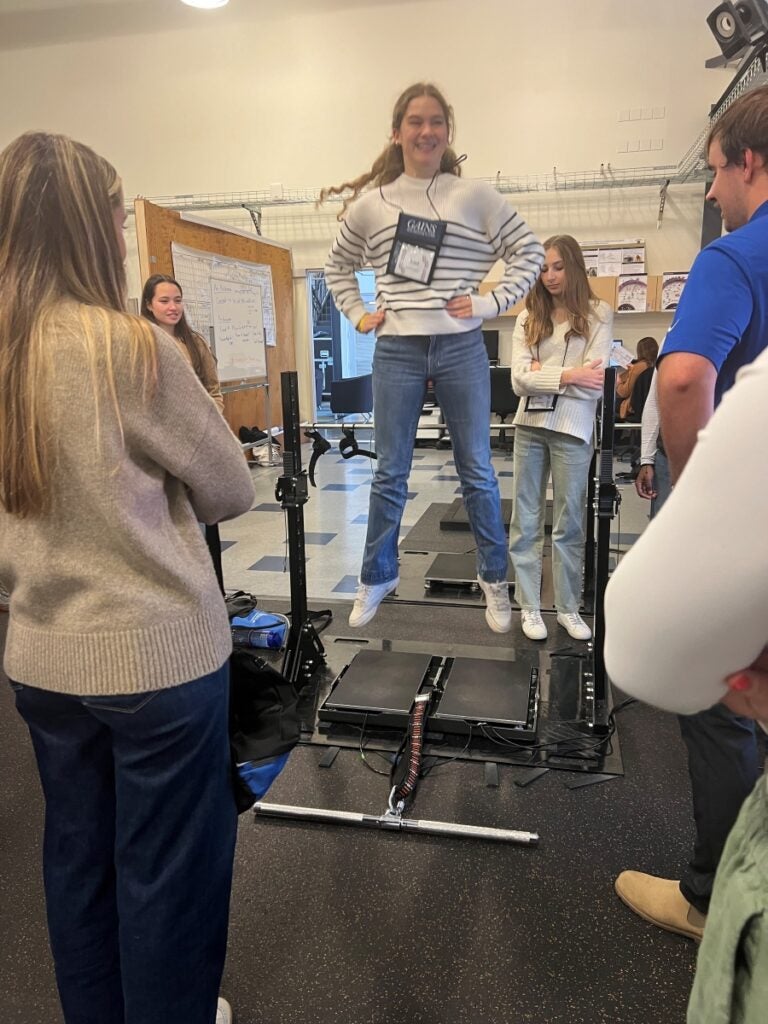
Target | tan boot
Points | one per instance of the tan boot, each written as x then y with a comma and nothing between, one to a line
660,901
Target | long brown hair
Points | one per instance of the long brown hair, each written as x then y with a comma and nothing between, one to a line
389,165
57,243
181,330
578,297
648,350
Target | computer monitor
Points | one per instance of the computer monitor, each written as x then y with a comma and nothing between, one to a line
491,339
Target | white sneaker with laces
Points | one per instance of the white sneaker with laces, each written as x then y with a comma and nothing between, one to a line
498,612
223,1012
533,624
369,597
574,625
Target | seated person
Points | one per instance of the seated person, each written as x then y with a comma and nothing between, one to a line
631,405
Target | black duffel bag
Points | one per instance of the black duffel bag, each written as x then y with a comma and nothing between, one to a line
264,725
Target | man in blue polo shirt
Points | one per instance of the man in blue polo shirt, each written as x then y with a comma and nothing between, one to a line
720,325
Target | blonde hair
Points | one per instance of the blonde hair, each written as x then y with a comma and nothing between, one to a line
389,165
578,297
57,243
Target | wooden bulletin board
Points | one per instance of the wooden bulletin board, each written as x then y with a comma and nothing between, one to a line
157,229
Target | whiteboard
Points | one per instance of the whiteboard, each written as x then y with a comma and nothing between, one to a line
238,329
195,271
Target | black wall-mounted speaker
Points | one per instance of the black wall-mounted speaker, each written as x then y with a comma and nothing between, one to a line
737,25
753,17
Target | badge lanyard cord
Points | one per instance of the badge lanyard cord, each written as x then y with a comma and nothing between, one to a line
433,179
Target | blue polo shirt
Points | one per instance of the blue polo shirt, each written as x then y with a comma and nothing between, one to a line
723,311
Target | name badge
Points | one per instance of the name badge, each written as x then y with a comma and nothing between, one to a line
541,403
415,249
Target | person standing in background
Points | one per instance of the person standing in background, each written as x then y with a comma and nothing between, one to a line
431,238
652,481
647,351
560,346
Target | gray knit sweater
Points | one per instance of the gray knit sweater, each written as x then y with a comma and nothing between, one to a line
113,591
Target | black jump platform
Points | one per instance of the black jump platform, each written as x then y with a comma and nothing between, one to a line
377,689
451,570
456,517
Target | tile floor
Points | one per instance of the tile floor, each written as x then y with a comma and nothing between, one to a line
255,556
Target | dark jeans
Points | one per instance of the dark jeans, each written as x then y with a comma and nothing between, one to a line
724,765
140,828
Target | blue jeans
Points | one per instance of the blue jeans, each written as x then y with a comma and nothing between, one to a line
140,826
458,366
537,452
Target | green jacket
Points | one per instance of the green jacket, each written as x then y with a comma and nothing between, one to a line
731,984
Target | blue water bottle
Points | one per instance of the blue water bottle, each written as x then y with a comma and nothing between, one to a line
259,629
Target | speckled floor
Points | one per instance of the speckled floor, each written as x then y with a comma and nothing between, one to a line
333,924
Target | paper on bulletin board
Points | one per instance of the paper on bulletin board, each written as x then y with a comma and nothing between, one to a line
194,268
671,289
590,261
608,262
612,258
632,294
621,356
633,260
238,322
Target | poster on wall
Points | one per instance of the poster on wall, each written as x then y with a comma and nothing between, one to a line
608,262
632,293
614,258
633,260
671,289
590,261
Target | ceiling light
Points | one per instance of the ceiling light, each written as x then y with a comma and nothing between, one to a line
205,3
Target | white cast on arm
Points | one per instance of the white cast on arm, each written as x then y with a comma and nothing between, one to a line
687,605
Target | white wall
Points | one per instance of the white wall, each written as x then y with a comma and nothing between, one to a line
185,102
301,93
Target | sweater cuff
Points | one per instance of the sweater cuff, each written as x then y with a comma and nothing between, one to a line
355,313
548,379
485,306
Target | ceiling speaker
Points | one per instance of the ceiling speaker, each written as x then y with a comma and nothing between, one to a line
738,25
753,17
725,27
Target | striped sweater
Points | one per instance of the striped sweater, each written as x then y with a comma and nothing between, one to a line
574,412
481,229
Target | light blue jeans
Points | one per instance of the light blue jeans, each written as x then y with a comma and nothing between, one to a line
458,366
537,453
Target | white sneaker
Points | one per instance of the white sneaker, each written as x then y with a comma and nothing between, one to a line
223,1012
574,625
498,612
369,597
533,624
